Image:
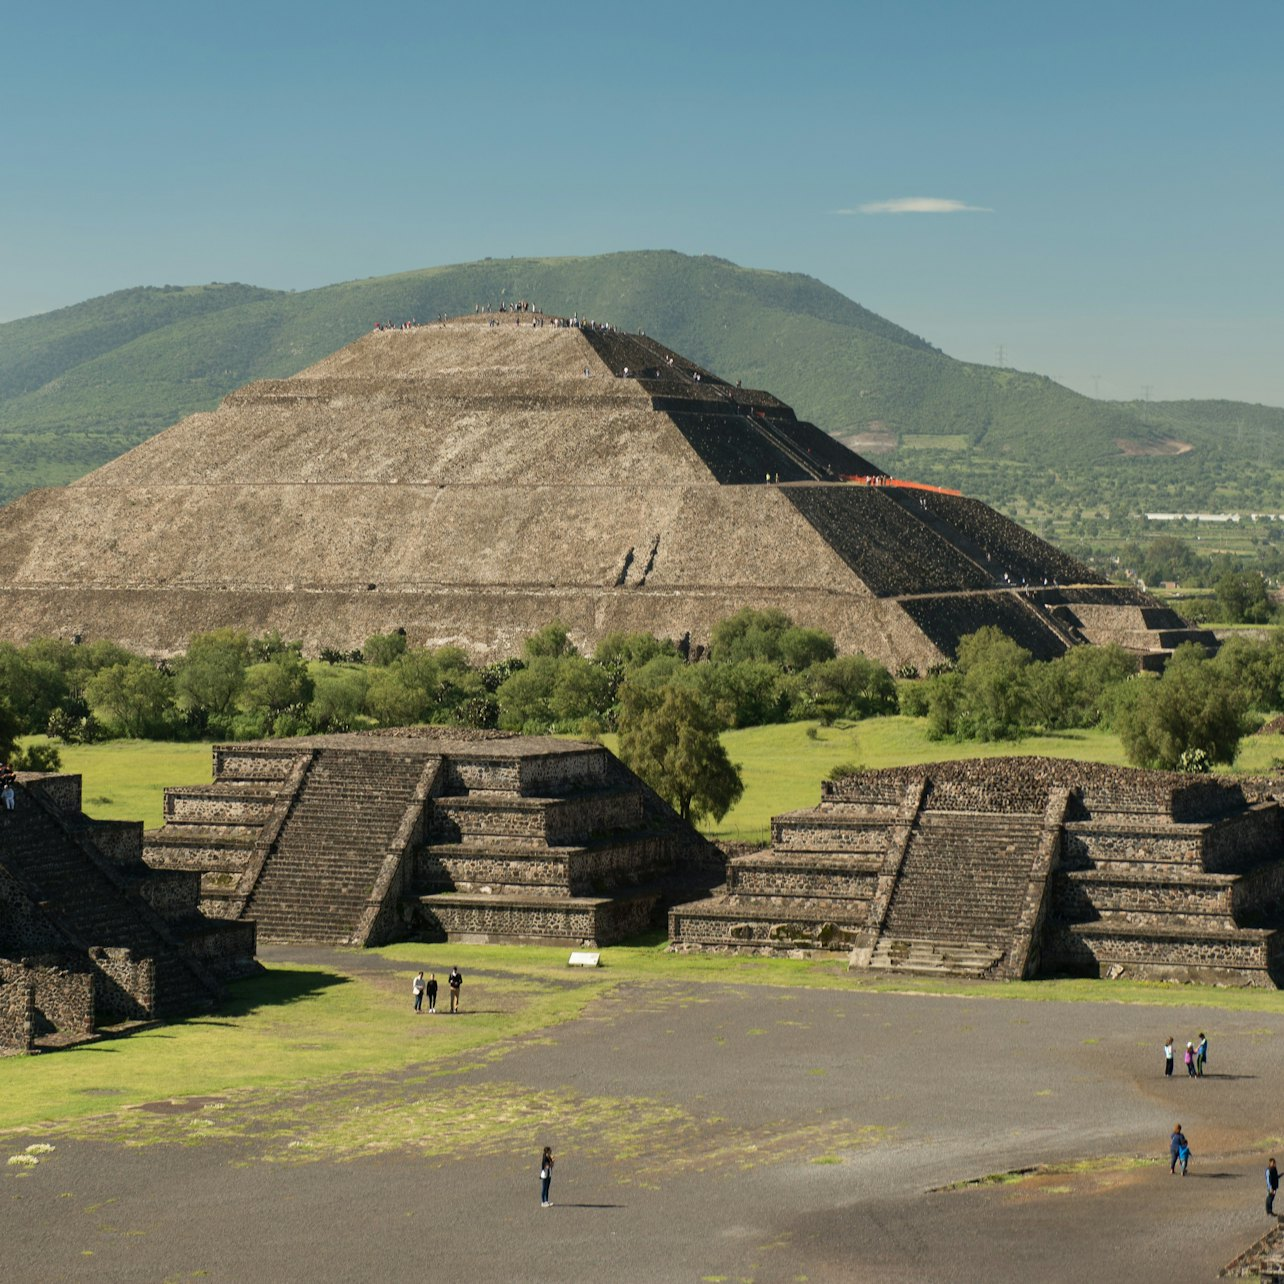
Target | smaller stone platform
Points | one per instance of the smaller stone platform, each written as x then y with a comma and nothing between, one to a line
436,832
1016,867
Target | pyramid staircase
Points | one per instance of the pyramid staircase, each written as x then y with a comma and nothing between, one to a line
98,917
961,893
326,863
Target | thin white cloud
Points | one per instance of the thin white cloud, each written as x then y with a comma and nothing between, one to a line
918,205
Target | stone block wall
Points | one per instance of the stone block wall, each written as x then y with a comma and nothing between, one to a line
121,841
17,1012
62,1000
124,985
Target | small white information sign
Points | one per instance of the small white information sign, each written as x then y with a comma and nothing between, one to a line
582,958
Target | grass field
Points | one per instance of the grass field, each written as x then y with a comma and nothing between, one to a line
782,765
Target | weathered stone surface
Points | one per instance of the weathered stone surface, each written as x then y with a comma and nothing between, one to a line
468,483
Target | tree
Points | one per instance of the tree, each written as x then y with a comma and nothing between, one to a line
995,685
669,737
211,674
382,649
631,650
1191,707
133,698
10,730
851,686
551,642
273,686
1242,597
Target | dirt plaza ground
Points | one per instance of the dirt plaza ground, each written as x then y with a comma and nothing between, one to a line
705,1131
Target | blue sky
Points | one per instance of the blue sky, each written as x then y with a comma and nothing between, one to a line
1119,163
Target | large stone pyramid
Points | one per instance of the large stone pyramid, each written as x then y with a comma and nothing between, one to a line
473,480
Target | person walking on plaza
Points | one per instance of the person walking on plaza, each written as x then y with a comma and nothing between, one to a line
432,994
456,982
1190,1058
8,782
1178,1150
417,987
1168,1057
546,1176
1201,1055
1272,1185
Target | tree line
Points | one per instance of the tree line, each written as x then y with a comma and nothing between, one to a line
668,705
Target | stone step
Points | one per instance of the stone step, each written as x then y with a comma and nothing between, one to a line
930,957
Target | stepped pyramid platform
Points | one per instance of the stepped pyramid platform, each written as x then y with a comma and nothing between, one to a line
473,480
1017,867
431,832
91,936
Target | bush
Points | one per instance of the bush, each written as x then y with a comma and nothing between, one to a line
1190,708
382,649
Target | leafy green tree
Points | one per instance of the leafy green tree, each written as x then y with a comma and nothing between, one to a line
1190,707
35,687
525,697
382,649
669,737
995,684
274,686
582,692
1077,689
1243,598
632,650
10,730
743,693
406,691
1255,668
131,698
211,674
551,642
769,637
851,686
338,699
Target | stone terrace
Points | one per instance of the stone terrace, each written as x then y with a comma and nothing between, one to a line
1015,867
90,936
431,832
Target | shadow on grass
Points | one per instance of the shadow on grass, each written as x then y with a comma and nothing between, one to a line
275,988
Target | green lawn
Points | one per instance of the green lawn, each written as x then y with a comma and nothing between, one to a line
126,779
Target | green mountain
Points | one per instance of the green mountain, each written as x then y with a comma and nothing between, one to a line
81,385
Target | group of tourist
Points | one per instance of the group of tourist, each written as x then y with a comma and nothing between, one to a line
1196,1057
422,989
8,784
